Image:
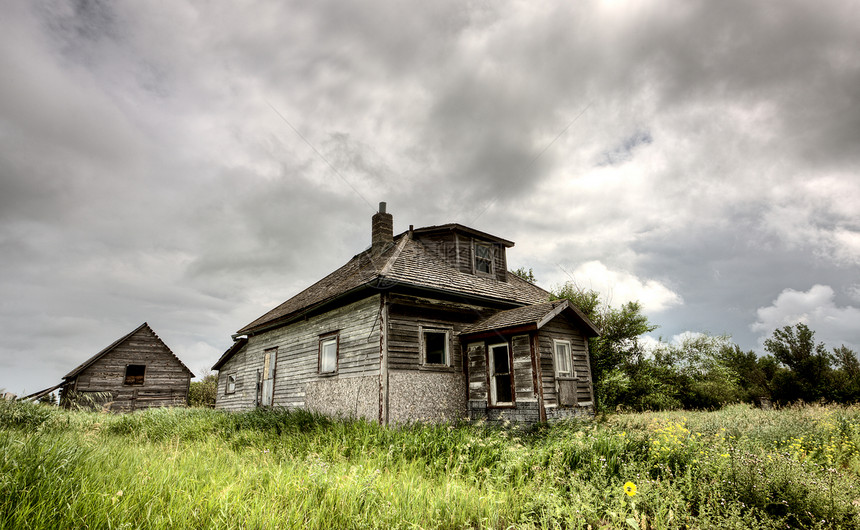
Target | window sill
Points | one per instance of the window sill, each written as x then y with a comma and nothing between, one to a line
436,367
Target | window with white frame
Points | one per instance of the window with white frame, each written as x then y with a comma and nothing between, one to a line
483,258
328,354
435,346
563,361
501,377
231,384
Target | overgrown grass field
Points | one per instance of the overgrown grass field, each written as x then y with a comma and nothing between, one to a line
195,468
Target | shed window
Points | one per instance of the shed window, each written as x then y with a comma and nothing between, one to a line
483,258
134,374
434,346
501,380
231,383
328,355
562,358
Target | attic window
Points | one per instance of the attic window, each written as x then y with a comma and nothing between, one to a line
483,258
134,374
435,347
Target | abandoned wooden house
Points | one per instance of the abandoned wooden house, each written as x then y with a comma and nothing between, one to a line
427,325
137,371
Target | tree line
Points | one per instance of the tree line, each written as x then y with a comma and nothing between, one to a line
703,371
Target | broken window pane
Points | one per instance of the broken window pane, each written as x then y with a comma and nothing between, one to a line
500,366
503,388
134,374
483,258
435,347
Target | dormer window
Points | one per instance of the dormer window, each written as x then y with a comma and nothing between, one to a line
483,258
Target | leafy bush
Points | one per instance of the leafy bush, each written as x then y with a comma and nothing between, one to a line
202,393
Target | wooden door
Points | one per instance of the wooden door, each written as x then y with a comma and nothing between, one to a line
268,386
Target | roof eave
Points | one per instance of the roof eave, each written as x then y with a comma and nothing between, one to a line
231,351
378,283
296,315
587,325
455,227
509,330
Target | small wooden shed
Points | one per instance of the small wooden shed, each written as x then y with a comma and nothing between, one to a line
137,371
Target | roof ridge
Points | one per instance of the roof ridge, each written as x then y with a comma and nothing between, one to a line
394,255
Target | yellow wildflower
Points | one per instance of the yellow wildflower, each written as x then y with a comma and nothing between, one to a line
630,488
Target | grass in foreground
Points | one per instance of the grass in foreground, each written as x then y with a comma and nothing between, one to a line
197,468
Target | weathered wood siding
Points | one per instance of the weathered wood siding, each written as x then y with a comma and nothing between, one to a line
524,388
477,357
166,380
447,248
457,251
357,325
523,384
246,370
560,329
407,313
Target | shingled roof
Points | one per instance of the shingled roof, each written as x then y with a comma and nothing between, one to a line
533,316
406,262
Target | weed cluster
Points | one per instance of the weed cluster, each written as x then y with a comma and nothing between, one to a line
192,468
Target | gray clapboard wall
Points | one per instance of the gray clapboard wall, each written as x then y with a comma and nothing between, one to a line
297,360
560,329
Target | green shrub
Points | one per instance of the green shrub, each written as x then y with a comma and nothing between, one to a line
202,393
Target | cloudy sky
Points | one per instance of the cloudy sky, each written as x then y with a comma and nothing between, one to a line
193,164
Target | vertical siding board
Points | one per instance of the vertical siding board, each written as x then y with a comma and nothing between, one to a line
522,368
477,372
500,266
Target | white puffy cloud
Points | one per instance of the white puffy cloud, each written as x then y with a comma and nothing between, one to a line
619,287
833,324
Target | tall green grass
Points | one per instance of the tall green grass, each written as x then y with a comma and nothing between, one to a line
200,468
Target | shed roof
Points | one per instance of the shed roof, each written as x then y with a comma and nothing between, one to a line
534,316
406,262
89,362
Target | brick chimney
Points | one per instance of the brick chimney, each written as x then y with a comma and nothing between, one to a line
382,233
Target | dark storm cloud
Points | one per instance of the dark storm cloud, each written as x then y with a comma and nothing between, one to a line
193,165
